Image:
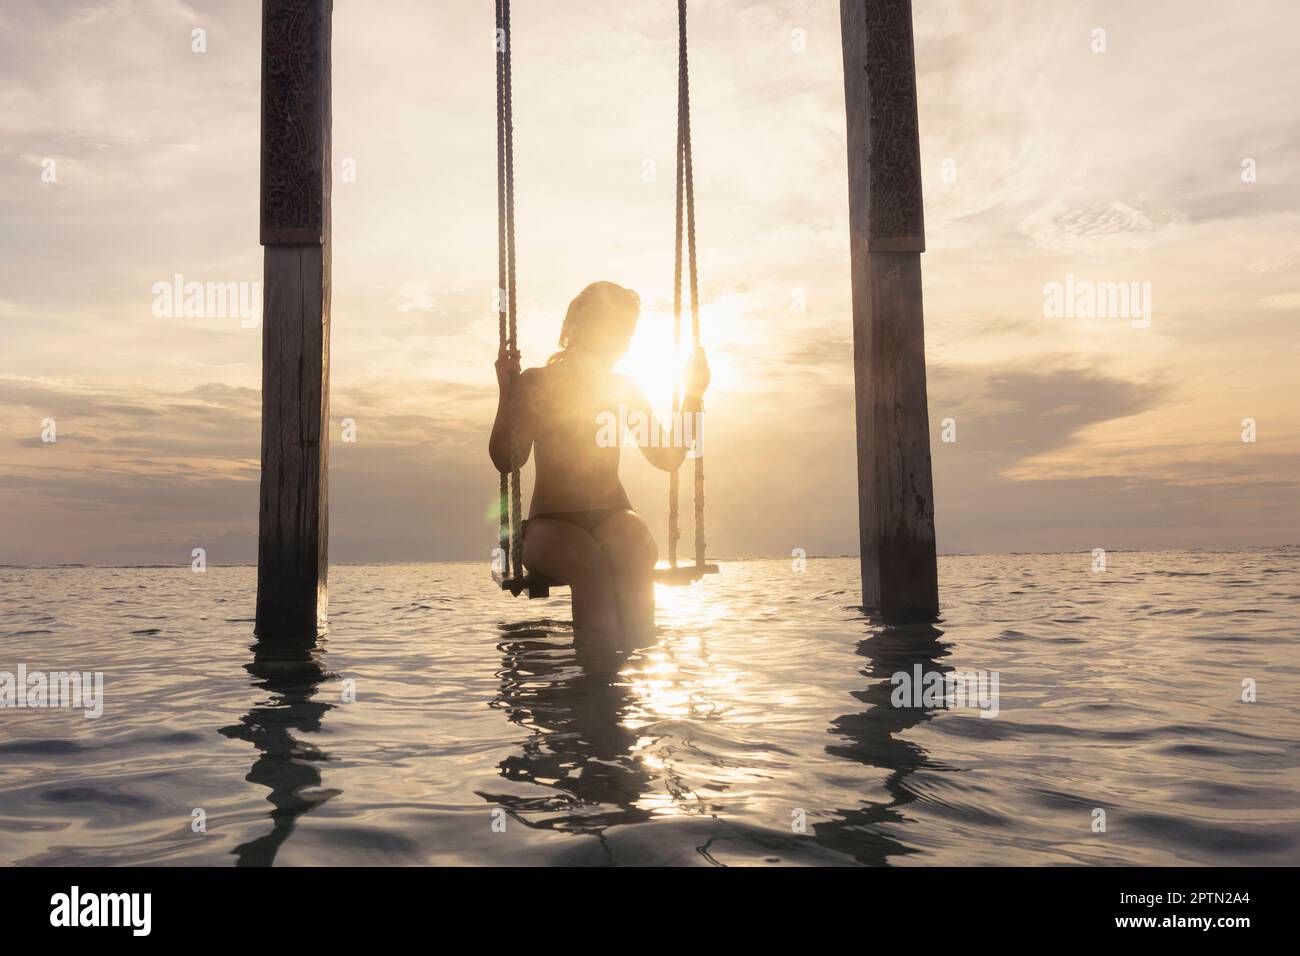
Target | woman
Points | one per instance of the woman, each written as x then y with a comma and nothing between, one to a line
581,527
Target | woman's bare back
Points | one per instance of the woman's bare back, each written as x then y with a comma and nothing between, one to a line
560,408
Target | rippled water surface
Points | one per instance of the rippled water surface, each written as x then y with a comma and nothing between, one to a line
764,708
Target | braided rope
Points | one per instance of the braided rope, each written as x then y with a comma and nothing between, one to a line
689,178
686,198
674,477
512,340
503,534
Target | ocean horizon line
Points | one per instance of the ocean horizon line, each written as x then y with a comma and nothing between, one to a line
67,565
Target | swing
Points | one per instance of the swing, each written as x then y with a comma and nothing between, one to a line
511,538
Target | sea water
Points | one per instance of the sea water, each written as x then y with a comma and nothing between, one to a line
1147,713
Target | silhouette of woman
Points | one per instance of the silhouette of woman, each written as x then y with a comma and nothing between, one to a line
581,527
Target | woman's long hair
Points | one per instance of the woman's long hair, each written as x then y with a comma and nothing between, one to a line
599,302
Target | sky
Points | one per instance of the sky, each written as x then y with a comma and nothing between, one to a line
1163,151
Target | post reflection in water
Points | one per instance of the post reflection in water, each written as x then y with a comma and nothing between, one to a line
874,737
286,765
574,703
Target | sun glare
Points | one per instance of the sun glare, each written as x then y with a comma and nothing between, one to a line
651,359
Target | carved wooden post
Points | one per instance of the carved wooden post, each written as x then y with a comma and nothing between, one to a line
895,488
293,518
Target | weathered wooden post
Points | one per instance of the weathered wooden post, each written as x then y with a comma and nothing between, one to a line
895,488
293,517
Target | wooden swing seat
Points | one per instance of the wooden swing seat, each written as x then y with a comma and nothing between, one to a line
539,586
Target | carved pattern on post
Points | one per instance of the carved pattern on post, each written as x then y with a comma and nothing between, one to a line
295,62
896,222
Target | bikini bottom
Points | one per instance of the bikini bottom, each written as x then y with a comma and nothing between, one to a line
588,521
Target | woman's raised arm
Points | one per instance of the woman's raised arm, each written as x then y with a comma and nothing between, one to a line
514,409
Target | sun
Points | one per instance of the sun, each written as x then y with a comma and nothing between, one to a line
654,364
